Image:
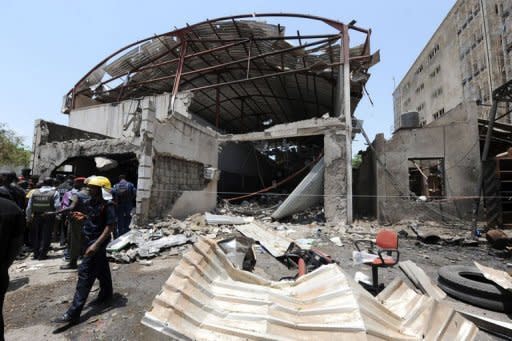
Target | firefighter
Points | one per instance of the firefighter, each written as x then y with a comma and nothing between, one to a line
99,223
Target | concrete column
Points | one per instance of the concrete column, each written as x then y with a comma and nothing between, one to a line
145,171
342,110
335,177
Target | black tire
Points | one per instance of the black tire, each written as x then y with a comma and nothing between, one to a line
503,305
469,280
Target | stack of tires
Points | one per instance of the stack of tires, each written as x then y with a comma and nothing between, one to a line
468,284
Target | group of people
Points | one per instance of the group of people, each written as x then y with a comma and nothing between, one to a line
83,212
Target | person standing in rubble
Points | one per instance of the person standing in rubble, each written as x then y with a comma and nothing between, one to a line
43,200
60,219
124,193
12,224
74,205
99,223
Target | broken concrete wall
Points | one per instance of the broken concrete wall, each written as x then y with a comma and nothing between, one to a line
171,178
51,155
191,147
455,139
110,119
53,132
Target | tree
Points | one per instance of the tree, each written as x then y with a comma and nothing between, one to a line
357,160
12,150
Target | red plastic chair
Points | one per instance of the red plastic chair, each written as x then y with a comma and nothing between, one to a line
385,246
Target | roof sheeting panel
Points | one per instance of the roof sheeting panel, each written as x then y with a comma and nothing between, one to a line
207,298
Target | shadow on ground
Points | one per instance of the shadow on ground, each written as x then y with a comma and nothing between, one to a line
91,311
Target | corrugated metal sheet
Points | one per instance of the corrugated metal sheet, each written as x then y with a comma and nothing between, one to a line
304,94
307,194
502,278
207,298
215,219
425,316
275,244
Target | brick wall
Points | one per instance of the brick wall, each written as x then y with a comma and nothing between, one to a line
172,176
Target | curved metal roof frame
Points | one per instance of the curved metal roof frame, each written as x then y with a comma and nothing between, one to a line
254,72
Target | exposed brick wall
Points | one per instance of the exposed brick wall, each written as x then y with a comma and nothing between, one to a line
171,177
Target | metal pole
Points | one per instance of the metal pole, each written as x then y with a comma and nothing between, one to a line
485,152
179,71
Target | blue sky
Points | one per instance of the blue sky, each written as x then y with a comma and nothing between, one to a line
48,45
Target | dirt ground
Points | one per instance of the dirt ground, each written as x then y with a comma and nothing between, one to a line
40,291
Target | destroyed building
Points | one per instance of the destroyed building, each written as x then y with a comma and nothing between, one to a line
445,140
217,109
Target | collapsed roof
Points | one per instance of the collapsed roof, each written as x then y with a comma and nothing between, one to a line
243,72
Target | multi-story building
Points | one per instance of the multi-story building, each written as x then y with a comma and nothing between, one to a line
469,55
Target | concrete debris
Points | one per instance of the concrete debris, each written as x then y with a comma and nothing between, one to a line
124,240
502,278
207,298
305,243
104,164
152,248
336,241
214,219
307,194
420,280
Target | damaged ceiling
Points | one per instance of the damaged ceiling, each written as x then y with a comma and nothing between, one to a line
243,72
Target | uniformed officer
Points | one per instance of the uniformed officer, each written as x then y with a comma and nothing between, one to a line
43,200
99,223
124,193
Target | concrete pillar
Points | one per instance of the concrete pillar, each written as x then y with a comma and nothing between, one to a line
335,177
145,171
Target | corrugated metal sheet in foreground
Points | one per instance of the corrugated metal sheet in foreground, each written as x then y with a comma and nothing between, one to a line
207,298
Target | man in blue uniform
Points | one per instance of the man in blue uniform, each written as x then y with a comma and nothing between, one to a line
124,193
98,224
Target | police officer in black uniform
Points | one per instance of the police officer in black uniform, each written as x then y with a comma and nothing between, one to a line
98,226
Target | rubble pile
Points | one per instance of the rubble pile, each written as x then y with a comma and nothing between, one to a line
169,235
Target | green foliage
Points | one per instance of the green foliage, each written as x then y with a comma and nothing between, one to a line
357,160
12,150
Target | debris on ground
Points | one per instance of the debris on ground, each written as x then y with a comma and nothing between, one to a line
207,297
502,278
215,219
239,251
498,239
419,278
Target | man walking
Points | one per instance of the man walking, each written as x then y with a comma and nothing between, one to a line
43,200
124,193
12,224
98,225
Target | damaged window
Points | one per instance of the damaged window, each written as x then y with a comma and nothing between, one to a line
426,178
